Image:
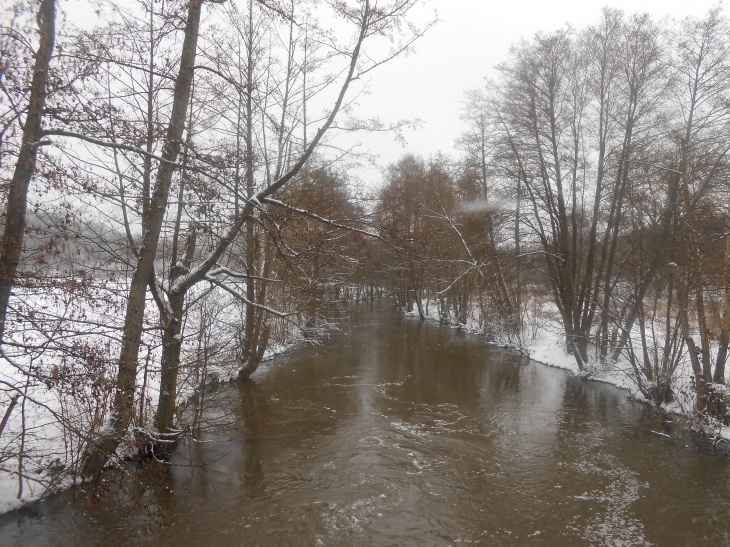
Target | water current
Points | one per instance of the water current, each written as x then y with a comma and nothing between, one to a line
402,432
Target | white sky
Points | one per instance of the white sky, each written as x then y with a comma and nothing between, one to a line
472,37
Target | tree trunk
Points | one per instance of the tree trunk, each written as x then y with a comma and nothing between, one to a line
123,406
25,167
258,339
172,342
170,365
419,304
693,351
724,338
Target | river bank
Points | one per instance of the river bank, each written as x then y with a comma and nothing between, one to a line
545,344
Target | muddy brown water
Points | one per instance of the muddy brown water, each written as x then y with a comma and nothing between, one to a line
399,432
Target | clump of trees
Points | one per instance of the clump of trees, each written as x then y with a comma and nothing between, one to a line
442,245
594,171
169,214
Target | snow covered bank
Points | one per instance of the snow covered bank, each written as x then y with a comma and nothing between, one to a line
544,342
58,376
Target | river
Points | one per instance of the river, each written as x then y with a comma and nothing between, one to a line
402,432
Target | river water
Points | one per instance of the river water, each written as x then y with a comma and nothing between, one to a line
401,432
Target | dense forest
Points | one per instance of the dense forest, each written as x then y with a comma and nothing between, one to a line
178,207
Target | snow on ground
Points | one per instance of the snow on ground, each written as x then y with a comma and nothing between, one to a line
50,448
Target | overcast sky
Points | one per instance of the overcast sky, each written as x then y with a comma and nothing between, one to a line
472,37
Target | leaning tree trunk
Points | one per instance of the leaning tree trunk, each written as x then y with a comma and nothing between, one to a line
123,407
25,167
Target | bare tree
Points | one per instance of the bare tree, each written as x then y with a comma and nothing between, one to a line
17,198
126,379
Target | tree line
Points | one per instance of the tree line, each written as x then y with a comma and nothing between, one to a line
593,186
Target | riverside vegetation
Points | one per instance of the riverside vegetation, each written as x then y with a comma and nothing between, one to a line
177,210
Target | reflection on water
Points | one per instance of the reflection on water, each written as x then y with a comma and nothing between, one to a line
406,433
